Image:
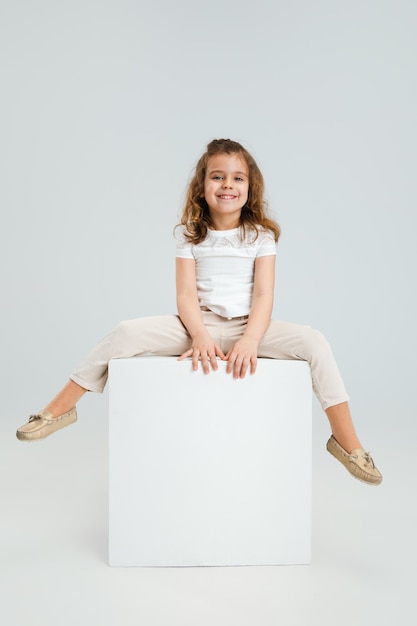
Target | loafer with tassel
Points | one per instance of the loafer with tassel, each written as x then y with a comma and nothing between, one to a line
43,424
359,463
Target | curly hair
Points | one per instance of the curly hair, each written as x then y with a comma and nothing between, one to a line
196,216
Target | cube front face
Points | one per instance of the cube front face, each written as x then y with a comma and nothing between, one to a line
208,470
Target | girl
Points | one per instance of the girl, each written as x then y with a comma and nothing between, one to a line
226,248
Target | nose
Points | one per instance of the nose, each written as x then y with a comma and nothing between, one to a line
227,183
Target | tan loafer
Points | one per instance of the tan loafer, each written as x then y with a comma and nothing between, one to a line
359,463
43,424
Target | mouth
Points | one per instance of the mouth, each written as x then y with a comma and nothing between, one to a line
226,197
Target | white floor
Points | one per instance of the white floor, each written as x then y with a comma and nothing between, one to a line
53,534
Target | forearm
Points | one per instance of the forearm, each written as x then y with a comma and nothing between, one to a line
262,299
190,314
203,346
244,352
259,317
187,298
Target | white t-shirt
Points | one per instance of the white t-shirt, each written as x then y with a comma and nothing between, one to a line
225,267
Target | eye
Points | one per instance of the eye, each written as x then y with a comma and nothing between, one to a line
239,179
216,177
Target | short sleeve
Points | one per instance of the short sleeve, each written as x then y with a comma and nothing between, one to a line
267,244
184,249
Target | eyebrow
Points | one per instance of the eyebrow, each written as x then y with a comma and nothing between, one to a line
222,172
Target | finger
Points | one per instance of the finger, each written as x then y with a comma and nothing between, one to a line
213,361
219,352
205,363
237,367
185,355
196,354
253,364
244,367
230,362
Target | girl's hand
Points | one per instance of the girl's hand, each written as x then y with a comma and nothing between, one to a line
204,349
243,355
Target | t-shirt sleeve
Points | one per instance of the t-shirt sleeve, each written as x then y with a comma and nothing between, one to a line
267,244
184,249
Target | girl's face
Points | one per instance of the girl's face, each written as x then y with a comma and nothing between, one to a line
226,188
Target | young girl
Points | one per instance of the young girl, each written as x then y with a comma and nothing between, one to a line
225,284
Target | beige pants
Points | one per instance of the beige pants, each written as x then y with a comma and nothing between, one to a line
165,335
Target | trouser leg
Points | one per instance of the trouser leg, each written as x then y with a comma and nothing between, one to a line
285,340
162,335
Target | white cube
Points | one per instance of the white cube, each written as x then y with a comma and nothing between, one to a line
206,469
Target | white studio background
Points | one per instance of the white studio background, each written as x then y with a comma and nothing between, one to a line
106,106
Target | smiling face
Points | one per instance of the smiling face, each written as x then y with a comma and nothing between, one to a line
226,188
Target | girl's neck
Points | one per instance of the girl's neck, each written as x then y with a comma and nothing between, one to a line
225,224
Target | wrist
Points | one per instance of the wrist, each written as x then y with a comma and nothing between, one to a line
199,332
250,337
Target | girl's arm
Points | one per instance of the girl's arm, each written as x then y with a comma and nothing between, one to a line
245,351
203,346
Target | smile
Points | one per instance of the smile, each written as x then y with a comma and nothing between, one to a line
226,197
